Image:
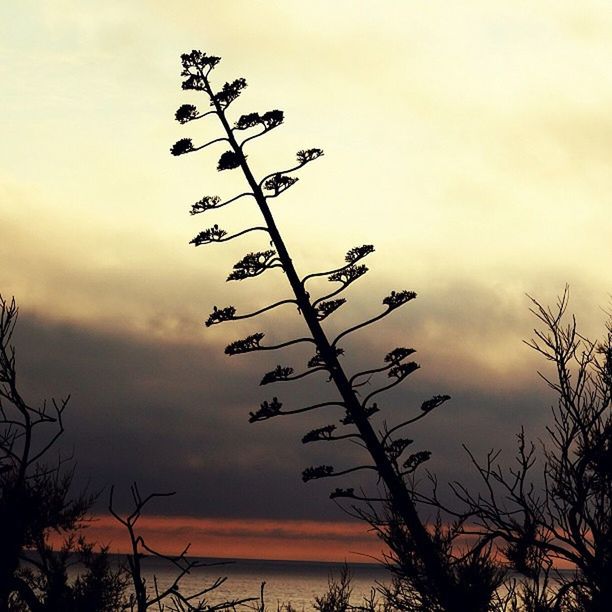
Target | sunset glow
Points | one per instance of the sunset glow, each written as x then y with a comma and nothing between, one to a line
469,142
245,539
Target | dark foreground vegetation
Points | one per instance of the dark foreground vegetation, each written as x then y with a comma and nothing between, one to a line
496,548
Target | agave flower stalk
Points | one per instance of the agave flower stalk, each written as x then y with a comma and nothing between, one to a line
384,449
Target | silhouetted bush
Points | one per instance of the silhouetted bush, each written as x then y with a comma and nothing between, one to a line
555,509
36,501
144,595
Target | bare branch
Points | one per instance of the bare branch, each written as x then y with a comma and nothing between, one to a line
392,301
426,408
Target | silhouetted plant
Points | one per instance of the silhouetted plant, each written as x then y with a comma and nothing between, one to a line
337,598
338,595
98,586
567,518
439,565
146,596
35,501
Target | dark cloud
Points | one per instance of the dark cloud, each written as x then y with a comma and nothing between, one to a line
173,416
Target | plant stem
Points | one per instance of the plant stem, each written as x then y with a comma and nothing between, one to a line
400,498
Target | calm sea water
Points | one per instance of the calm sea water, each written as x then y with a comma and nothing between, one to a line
297,582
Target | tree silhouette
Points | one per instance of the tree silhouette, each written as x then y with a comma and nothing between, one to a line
170,596
386,449
35,500
568,520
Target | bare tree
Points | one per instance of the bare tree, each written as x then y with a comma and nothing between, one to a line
564,518
168,597
386,449
35,500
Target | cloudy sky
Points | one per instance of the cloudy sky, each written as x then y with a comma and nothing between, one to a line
470,142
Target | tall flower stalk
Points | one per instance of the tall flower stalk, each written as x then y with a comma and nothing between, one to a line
440,585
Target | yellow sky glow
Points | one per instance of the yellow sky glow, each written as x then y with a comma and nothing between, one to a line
470,142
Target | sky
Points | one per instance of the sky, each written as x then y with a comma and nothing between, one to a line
469,142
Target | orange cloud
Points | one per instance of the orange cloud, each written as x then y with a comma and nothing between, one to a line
288,540
239,538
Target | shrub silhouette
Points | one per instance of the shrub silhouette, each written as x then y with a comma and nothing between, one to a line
568,520
35,500
144,596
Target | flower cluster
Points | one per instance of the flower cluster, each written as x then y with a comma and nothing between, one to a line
307,155
248,121
229,92
184,145
273,118
268,120
397,298
357,253
246,345
347,276
194,81
324,309
219,315
397,447
413,462
279,183
211,234
402,370
251,265
267,410
206,203
196,65
321,471
228,161
186,113
197,60
279,373
398,354
321,433
434,402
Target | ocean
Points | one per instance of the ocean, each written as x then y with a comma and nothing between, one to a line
295,582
